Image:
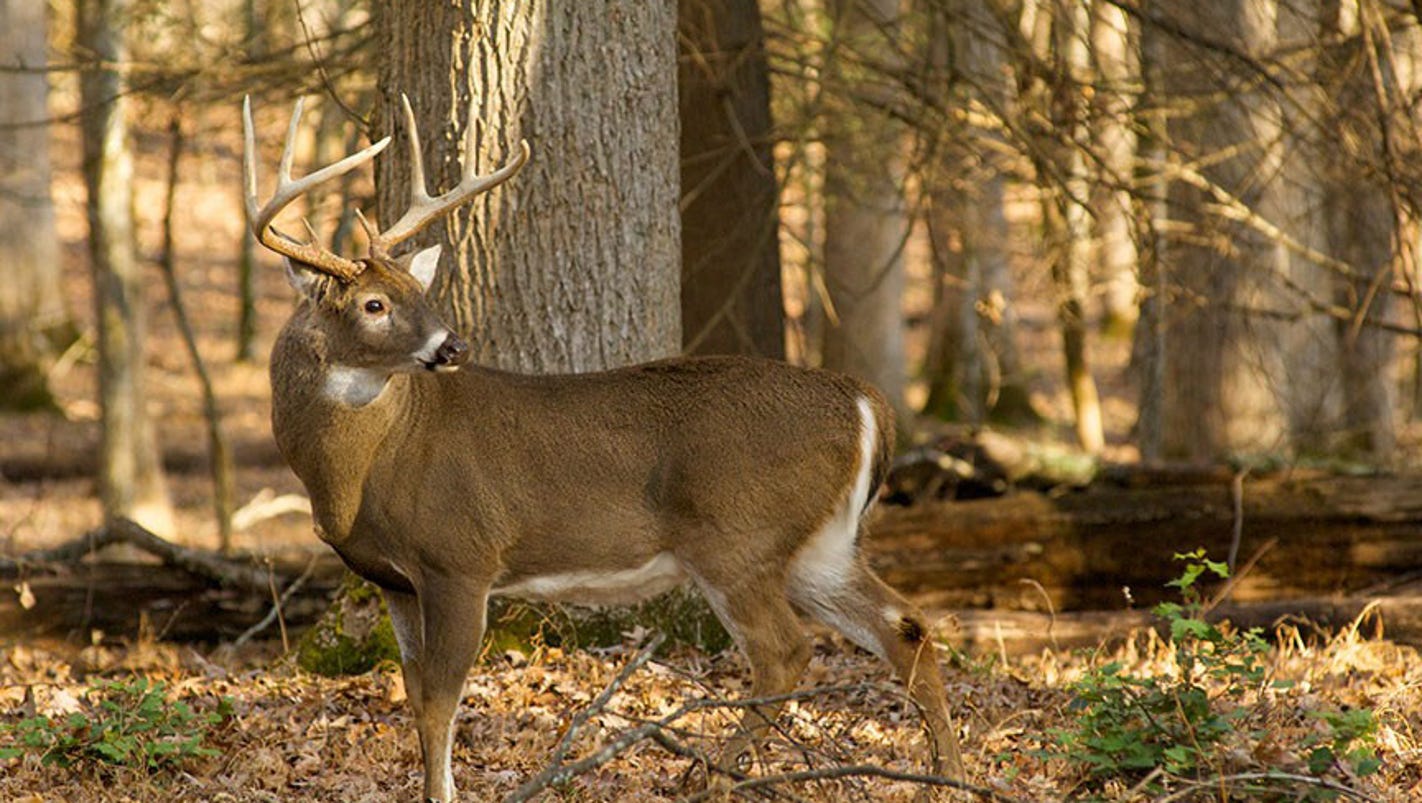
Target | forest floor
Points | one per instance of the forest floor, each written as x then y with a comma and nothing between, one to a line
295,736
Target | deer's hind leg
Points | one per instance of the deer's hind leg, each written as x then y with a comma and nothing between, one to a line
758,615
867,612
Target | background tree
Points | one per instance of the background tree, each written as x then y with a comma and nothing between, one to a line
866,218
34,323
731,300
574,265
973,367
131,482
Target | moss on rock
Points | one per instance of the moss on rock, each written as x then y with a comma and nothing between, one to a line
355,635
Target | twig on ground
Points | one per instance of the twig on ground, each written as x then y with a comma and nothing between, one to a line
1236,492
660,732
1244,777
267,505
557,772
1235,576
277,604
849,771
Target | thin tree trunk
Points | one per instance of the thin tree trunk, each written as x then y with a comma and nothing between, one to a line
1364,224
866,223
975,370
1114,140
1056,32
573,265
1148,348
34,323
256,45
220,455
730,280
131,482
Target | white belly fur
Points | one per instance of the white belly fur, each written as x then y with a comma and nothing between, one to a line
620,587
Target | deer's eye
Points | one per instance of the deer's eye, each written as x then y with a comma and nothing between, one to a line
374,306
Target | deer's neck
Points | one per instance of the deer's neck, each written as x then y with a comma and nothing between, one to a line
333,425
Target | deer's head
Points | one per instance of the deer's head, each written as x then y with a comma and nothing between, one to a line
380,319
372,313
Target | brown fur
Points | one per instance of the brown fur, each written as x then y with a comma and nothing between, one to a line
450,484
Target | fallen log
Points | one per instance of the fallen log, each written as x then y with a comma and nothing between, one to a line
191,595
126,600
1015,633
1112,545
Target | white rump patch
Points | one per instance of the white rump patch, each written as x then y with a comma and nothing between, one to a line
615,587
353,387
821,569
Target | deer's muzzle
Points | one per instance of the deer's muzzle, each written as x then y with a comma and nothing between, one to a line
451,354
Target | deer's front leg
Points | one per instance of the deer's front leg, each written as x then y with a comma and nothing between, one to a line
453,614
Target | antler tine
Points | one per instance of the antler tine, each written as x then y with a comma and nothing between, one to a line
260,218
425,209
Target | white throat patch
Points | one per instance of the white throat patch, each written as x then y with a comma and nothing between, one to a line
354,387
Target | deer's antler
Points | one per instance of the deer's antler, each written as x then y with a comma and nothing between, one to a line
260,218
423,209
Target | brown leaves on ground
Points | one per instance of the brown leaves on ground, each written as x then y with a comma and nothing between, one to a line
295,736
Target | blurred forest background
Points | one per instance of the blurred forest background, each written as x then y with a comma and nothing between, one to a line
1121,232
1155,231
1168,250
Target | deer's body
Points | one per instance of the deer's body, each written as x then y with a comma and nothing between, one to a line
443,486
618,478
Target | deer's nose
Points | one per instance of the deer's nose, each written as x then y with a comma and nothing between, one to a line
452,352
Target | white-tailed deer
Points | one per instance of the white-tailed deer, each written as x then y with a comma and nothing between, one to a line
443,485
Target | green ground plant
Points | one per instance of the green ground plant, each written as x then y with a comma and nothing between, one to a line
1150,728
129,723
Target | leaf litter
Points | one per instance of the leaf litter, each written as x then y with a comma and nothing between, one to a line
296,736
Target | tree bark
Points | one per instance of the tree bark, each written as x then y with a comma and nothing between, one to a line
974,368
1363,225
866,223
1055,33
1114,141
730,270
34,322
131,482
1224,371
573,265
1317,535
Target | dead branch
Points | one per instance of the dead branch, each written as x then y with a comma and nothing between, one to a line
1285,777
220,453
277,604
663,733
213,568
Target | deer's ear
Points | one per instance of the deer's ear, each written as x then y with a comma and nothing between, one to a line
423,265
300,277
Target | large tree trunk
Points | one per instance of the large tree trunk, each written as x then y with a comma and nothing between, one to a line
131,480
866,223
33,319
574,264
1223,366
1364,226
730,271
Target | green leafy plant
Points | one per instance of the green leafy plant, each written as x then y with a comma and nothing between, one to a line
1128,726
1349,741
128,723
